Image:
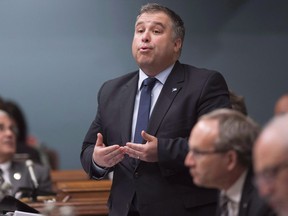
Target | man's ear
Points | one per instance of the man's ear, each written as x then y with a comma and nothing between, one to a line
177,44
231,159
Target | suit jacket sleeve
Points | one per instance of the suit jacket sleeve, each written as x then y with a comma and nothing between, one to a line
211,92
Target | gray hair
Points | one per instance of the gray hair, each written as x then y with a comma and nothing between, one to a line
178,24
236,132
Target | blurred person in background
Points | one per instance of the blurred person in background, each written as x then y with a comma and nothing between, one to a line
271,163
281,105
238,102
14,175
16,113
27,145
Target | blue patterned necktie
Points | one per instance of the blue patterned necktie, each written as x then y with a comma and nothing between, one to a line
144,108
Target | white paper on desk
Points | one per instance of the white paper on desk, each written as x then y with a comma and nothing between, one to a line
20,213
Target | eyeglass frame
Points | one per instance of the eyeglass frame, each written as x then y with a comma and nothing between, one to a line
196,153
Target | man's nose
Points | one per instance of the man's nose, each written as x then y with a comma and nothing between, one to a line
146,37
189,160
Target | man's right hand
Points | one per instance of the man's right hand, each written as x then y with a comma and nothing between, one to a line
107,156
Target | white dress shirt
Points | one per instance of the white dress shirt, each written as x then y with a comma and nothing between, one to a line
234,194
161,79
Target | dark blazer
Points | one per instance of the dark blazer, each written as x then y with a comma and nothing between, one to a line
19,169
251,204
165,187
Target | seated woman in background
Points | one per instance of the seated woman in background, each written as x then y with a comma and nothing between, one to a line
22,148
15,177
28,147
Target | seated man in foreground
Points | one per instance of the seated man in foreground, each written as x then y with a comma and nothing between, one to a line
220,156
271,163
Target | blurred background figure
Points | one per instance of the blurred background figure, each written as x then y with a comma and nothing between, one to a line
238,102
15,177
23,149
271,163
220,156
281,105
28,147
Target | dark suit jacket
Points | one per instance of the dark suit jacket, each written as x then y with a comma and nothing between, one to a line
42,175
165,187
251,204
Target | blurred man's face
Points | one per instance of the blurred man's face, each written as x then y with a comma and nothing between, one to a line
7,137
271,170
206,166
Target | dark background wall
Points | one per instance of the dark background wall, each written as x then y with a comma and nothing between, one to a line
55,54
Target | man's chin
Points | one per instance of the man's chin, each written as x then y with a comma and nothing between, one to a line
197,182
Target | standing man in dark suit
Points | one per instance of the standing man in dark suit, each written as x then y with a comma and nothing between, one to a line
14,176
151,179
220,156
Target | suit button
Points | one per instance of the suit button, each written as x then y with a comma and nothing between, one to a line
136,174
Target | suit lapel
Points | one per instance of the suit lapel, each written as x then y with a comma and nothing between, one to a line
170,90
246,195
127,107
16,177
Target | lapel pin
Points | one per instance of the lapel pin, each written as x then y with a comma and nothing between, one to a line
17,176
174,89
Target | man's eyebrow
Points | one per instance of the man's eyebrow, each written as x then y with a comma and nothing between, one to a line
153,23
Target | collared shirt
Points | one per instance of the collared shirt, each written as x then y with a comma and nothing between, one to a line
5,168
234,194
161,79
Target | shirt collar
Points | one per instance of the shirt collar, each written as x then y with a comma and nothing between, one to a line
5,166
161,77
235,191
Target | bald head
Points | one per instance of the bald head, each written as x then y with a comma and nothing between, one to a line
271,163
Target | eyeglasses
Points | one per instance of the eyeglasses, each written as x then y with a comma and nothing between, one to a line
268,175
197,153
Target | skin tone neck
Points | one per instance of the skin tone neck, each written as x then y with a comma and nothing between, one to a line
154,45
233,176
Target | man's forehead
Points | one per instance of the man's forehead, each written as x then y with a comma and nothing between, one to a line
207,126
155,17
270,148
204,129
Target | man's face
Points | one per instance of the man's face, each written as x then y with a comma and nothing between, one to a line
154,45
206,167
271,170
7,137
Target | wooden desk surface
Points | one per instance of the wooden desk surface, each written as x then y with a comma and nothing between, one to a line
88,197
83,208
